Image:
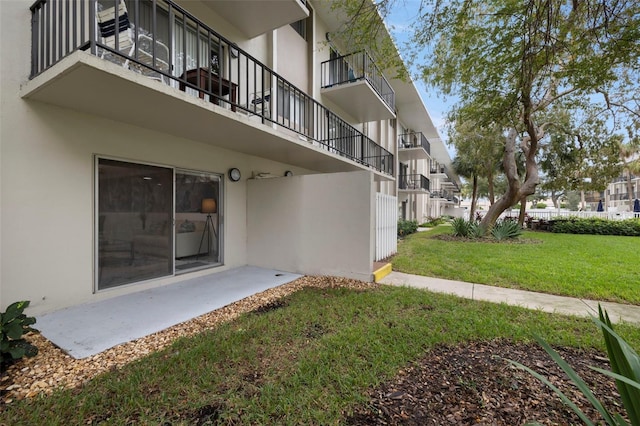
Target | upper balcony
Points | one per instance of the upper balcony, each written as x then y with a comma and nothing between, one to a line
444,195
438,170
356,85
152,64
413,146
450,184
413,183
256,17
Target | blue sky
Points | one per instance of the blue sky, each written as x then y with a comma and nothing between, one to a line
400,22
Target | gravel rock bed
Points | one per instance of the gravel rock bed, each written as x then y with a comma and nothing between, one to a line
53,369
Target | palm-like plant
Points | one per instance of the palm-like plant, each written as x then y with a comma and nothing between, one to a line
625,369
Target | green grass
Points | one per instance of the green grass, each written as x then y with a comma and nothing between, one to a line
309,362
586,266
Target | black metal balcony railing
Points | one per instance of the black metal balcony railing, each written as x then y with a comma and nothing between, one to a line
443,194
620,197
355,67
414,140
438,168
413,182
625,178
161,40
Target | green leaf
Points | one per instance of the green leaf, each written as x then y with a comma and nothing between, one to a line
625,362
577,380
14,330
617,376
17,352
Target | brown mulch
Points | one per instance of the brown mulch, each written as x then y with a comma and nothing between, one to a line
52,369
473,384
469,384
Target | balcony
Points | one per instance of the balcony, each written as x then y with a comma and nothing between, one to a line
354,83
256,17
618,197
443,195
413,183
413,146
152,64
449,185
438,171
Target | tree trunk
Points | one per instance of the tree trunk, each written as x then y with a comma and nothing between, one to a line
474,197
583,203
513,189
492,195
517,190
523,211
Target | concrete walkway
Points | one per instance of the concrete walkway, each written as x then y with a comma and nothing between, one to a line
526,299
88,329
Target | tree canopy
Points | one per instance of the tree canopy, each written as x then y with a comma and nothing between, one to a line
512,62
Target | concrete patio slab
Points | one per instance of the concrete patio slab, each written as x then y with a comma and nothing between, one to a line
101,325
527,299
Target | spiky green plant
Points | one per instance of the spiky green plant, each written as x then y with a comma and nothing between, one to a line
625,369
506,229
460,227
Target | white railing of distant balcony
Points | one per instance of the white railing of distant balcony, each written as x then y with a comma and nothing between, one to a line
548,214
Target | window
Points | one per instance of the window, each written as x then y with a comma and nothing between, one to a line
293,107
300,27
192,50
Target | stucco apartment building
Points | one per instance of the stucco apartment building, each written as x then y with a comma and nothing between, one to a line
146,141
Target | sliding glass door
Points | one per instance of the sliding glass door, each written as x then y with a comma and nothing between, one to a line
134,214
141,235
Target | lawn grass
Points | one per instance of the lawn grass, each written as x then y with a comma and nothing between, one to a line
587,266
308,362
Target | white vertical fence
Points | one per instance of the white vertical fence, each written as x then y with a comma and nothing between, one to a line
548,214
386,225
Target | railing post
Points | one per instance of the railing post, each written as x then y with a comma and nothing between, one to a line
92,27
35,22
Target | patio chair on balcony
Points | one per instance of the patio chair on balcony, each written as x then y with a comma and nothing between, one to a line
128,43
259,102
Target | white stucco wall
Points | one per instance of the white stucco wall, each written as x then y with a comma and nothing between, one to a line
48,207
292,45
47,159
313,224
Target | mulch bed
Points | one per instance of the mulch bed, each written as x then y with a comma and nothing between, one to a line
473,384
468,384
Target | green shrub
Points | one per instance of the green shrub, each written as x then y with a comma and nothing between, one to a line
431,222
506,229
460,227
597,226
625,369
406,227
13,324
541,206
466,229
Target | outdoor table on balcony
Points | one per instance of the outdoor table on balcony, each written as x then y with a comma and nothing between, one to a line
219,86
